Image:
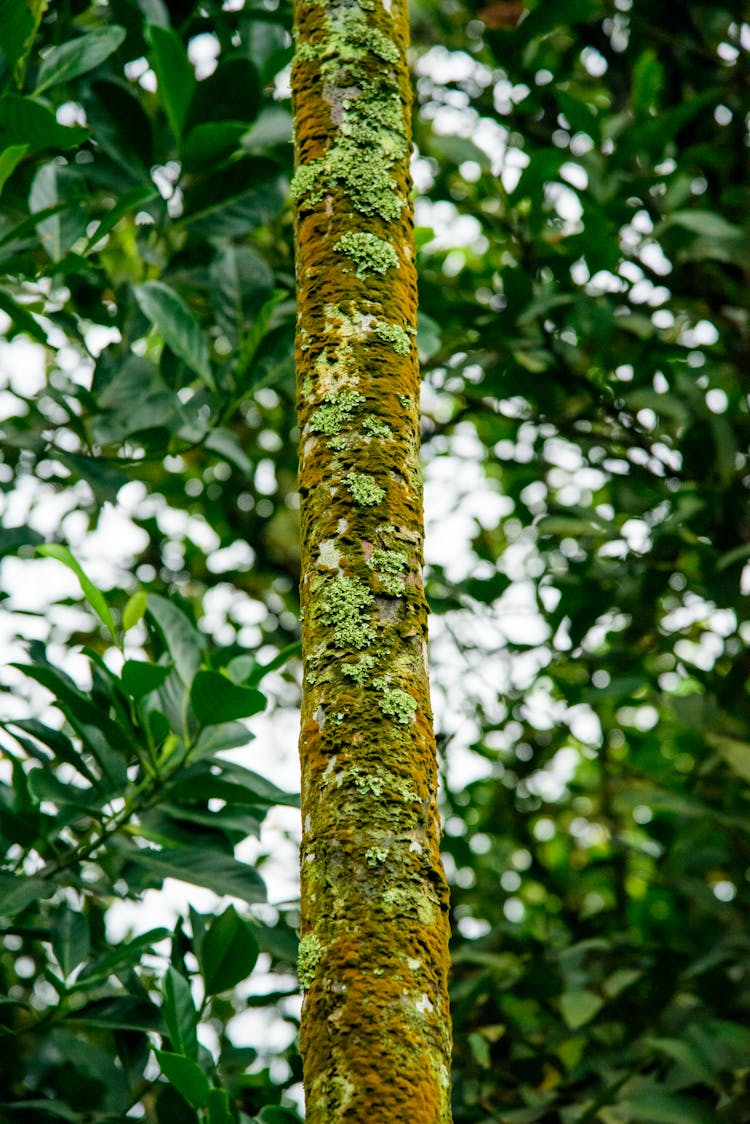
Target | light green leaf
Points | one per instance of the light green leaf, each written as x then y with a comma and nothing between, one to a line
78,56
228,952
579,1007
180,1014
186,1076
134,610
428,337
128,203
665,1108
174,72
10,158
171,316
94,596
708,224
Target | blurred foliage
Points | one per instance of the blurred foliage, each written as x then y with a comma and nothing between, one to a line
584,254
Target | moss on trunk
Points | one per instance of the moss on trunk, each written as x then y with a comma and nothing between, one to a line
374,954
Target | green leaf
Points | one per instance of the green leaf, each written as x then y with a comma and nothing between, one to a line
128,203
171,316
428,337
186,1076
18,893
579,1007
140,678
174,72
706,223
666,1108
252,340
16,30
53,184
134,610
69,933
648,81
219,1108
228,953
735,753
181,637
94,596
21,319
180,1014
217,872
45,785
215,699
10,159
78,56
118,1014
24,121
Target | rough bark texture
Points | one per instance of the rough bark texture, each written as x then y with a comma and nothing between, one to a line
373,952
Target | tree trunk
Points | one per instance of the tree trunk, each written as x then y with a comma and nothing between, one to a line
374,948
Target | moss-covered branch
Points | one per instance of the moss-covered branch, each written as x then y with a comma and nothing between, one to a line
375,1024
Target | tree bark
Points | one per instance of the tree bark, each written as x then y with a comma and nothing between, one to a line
373,960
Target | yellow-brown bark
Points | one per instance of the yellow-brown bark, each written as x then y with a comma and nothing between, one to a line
375,1025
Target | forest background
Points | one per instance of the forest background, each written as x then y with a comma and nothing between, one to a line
581,200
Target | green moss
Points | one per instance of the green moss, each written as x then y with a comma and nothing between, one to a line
335,413
395,335
370,253
360,670
346,604
308,958
376,855
364,490
374,427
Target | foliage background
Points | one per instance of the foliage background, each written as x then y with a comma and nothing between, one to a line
582,220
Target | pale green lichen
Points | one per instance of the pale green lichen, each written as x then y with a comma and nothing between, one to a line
374,427
405,400
388,561
337,444
361,173
369,253
396,703
395,335
367,784
360,670
346,604
336,411
364,490
374,856
308,958
389,566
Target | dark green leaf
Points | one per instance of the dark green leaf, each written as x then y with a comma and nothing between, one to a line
174,74
26,122
180,1014
217,872
181,637
172,317
70,939
186,1076
140,678
78,56
228,953
215,699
